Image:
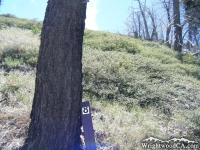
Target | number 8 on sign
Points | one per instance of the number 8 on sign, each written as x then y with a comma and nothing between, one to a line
85,110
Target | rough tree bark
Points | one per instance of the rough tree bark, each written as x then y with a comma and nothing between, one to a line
55,116
177,27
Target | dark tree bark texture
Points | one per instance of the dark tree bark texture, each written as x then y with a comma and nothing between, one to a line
177,27
56,113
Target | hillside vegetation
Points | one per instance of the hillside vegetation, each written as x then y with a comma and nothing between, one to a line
137,89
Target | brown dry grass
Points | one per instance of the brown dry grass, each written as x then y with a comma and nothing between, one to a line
14,124
16,93
17,36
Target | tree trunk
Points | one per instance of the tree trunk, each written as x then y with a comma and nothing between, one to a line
145,21
139,25
154,34
178,30
135,32
56,116
189,37
172,38
195,37
167,36
167,7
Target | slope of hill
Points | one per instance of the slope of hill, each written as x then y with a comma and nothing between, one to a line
137,89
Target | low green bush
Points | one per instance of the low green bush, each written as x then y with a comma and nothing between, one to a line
165,56
10,62
108,42
9,15
134,79
190,59
14,56
36,30
12,21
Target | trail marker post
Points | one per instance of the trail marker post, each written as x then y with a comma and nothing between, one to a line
87,126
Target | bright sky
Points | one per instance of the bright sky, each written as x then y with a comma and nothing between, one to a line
104,15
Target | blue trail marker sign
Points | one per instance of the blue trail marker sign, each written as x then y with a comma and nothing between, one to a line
87,126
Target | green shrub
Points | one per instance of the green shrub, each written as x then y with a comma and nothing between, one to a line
151,44
138,79
9,15
196,119
2,25
108,42
15,56
12,21
165,56
10,62
124,78
190,59
11,88
36,30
